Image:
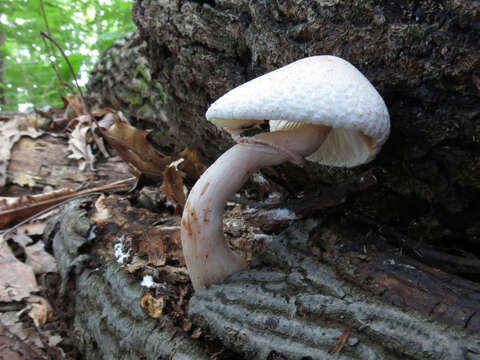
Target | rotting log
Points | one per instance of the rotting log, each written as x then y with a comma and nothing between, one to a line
299,296
109,322
296,305
408,242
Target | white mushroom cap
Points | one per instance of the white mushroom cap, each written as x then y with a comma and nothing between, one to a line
323,90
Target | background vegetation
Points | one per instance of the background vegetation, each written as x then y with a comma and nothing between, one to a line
30,68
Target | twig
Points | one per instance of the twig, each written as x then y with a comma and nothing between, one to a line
49,49
84,193
68,63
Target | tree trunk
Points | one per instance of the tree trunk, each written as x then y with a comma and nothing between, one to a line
3,98
397,262
421,56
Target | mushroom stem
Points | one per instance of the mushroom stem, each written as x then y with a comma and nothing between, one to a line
208,258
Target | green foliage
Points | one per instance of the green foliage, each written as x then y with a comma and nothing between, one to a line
83,28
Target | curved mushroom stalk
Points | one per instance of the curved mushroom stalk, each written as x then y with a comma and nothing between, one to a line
208,258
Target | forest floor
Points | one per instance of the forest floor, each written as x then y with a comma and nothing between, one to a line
52,157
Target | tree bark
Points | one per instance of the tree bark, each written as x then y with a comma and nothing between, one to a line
109,322
297,299
299,307
3,98
397,262
421,56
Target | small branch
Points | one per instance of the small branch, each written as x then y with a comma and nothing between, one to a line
67,61
49,49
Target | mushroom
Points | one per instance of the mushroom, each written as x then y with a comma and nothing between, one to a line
319,107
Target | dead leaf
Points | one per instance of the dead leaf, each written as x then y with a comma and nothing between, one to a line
40,260
10,132
341,342
39,310
12,321
83,123
186,165
153,305
27,334
21,239
53,340
17,280
133,146
79,145
173,188
74,106
35,228
15,209
191,165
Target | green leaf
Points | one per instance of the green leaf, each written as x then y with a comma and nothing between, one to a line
26,59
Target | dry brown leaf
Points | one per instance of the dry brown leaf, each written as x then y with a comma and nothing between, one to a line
12,321
35,228
17,280
100,113
15,209
133,146
83,122
10,132
191,165
74,106
22,239
27,334
40,260
79,145
186,165
39,310
154,305
173,188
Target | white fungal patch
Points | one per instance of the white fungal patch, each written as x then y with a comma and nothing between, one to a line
281,214
148,282
259,237
235,224
121,254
